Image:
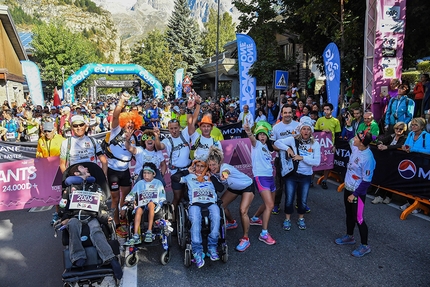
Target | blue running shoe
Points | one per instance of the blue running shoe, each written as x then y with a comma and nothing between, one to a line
286,225
301,223
346,239
213,255
231,225
55,218
199,259
275,210
243,245
361,251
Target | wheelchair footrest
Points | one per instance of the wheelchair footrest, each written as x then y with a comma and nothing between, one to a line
87,273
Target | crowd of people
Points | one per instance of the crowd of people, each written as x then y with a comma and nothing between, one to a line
195,156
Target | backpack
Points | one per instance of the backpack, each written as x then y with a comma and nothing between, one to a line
115,141
171,167
69,142
196,145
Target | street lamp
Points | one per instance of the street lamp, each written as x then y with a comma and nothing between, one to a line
62,87
217,52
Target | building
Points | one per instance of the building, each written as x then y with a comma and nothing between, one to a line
12,52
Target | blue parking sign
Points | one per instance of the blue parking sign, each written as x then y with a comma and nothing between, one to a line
281,80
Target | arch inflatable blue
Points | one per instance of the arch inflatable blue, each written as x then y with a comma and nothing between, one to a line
110,69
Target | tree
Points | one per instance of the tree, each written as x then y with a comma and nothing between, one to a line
260,18
183,37
56,47
154,55
226,32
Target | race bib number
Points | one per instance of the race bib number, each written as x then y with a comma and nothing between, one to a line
148,196
85,200
10,136
34,138
203,195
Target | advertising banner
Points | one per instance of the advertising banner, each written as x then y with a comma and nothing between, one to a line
179,75
247,55
32,74
332,71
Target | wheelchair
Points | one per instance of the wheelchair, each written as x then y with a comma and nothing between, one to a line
184,234
93,270
161,233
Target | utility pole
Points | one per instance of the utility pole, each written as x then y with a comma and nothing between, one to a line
217,52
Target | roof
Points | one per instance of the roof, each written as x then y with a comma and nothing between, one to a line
26,38
10,28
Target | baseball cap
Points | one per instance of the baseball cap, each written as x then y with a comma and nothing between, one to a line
176,108
48,126
77,119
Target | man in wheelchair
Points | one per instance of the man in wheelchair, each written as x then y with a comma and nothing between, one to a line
202,192
149,194
82,203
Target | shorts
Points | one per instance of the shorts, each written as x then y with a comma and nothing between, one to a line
265,183
118,178
250,188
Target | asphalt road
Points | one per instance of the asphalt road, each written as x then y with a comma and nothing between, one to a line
31,256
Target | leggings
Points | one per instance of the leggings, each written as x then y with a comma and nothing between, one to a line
354,214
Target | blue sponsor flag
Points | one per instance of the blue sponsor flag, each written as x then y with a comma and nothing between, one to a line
247,55
32,74
332,72
179,76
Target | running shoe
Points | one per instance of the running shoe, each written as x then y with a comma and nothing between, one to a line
231,225
286,225
213,254
243,245
55,218
404,206
148,236
301,224
199,259
324,185
134,240
255,221
267,239
275,210
387,200
377,200
346,239
361,251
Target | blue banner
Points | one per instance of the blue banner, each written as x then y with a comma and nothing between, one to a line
247,55
179,76
32,74
110,69
332,72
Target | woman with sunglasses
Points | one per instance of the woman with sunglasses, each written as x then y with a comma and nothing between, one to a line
390,142
418,139
147,153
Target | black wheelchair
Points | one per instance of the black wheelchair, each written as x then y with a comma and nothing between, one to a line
184,234
161,232
93,270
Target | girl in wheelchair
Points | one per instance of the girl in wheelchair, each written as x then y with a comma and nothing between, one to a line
202,192
150,195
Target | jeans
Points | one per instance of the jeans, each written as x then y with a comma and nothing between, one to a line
97,237
195,217
299,183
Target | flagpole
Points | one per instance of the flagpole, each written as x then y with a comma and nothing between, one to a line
217,52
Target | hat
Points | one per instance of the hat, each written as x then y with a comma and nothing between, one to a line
261,129
93,112
77,119
305,121
148,168
66,109
48,126
365,138
206,120
232,106
176,109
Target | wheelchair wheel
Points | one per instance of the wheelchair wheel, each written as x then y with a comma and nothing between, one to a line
187,258
165,257
224,256
131,260
67,284
180,221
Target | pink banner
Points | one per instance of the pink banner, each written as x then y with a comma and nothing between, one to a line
388,56
37,182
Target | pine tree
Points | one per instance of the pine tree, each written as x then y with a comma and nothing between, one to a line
183,36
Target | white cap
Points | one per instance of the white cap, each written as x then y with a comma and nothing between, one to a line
77,119
176,108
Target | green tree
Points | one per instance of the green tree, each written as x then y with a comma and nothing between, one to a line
260,18
226,32
56,47
154,55
183,36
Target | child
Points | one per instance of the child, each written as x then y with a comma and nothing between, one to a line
262,168
150,196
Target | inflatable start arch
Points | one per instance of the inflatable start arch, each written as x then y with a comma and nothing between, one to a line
110,69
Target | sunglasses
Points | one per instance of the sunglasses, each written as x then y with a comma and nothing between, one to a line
46,131
399,129
78,125
174,121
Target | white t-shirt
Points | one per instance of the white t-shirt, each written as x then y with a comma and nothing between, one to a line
202,150
80,150
143,156
236,179
201,192
281,130
360,167
119,151
180,156
244,118
147,192
261,160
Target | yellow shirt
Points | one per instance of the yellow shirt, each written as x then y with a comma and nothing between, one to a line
216,133
183,121
47,148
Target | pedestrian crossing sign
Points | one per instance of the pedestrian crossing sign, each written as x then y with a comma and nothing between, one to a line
281,80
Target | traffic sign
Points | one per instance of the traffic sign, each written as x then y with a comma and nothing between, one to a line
167,89
187,89
281,80
187,81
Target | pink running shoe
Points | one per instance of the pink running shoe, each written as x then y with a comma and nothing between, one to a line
267,239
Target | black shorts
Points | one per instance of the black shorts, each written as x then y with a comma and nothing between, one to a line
250,188
118,178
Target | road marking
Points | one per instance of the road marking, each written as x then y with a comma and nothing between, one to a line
129,278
